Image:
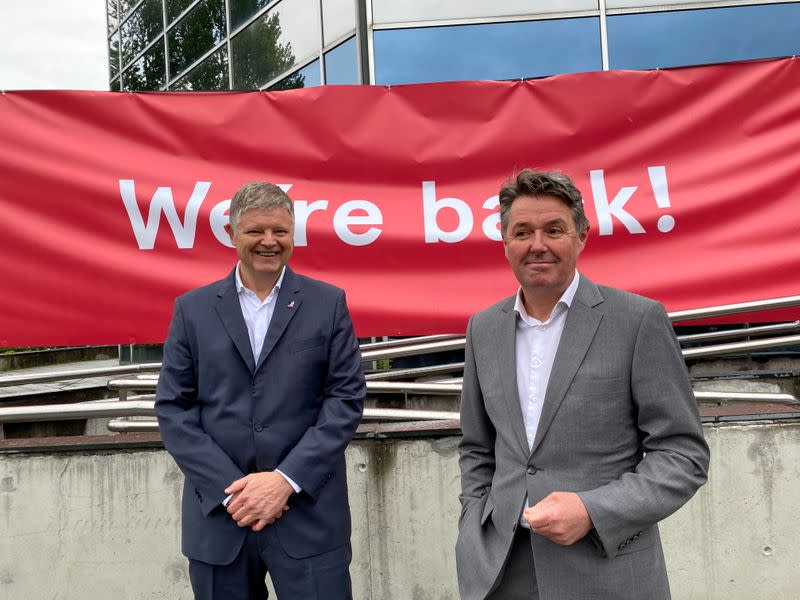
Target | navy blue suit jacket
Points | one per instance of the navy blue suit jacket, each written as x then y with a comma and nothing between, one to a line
223,415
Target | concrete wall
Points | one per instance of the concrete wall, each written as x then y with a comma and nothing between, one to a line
105,525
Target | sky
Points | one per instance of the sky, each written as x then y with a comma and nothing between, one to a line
53,44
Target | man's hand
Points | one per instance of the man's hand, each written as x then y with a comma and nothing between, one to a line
561,517
259,499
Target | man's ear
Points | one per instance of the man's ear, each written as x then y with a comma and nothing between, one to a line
583,237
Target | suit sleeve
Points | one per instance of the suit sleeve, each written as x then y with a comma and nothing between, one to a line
476,450
311,462
676,456
203,462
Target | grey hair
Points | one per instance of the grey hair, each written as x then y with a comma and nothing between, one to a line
258,194
542,183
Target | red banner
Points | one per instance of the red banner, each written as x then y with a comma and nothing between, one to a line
114,203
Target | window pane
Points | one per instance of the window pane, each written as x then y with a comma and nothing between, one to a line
113,55
308,76
275,42
141,28
654,3
175,8
241,10
211,75
114,85
341,65
195,34
148,72
125,7
392,11
339,19
492,51
112,15
691,37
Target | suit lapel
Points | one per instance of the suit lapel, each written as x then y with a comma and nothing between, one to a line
230,311
286,306
583,318
507,358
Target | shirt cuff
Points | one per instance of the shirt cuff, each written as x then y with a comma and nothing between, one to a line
297,489
228,499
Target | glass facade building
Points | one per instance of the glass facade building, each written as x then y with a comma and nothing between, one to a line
282,44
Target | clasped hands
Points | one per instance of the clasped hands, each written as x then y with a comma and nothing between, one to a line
259,499
560,517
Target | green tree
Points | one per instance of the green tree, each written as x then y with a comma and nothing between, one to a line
258,55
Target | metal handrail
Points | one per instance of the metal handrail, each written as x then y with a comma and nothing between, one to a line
748,397
723,349
79,410
408,387
370,414
733,309
406,341
739,333
443,343
376,387
146,408
415,372
77,374
413,349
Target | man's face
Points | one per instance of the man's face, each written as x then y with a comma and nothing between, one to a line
541,244
264,240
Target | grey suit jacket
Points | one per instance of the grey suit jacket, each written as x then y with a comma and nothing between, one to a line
619,426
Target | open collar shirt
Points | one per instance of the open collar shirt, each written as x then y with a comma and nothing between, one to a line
536,345
257,317
257,314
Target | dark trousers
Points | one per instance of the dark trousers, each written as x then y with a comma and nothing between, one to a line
517,580
325,576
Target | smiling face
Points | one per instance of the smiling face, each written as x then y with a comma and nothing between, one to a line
542,245
264,240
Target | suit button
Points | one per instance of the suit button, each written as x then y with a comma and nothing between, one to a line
258,427
532,470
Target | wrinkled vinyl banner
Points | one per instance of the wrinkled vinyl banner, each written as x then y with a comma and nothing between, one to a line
114,203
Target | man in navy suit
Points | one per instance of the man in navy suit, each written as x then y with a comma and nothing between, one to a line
260,391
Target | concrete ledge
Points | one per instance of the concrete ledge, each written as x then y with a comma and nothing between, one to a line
55,356
99,517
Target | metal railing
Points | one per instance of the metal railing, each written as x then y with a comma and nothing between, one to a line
375,387
733,309
416,372
445,342
142,405
110,409
51,376
739,332
145,407
746,397
404,342
736,347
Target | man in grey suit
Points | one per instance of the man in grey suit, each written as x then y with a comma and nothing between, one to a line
580,427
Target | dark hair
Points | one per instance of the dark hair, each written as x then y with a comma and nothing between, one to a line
259,194
542,183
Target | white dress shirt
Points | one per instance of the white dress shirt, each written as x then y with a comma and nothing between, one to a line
536,345
257,316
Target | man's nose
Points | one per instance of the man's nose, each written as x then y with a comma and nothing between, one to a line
267,239
537,241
